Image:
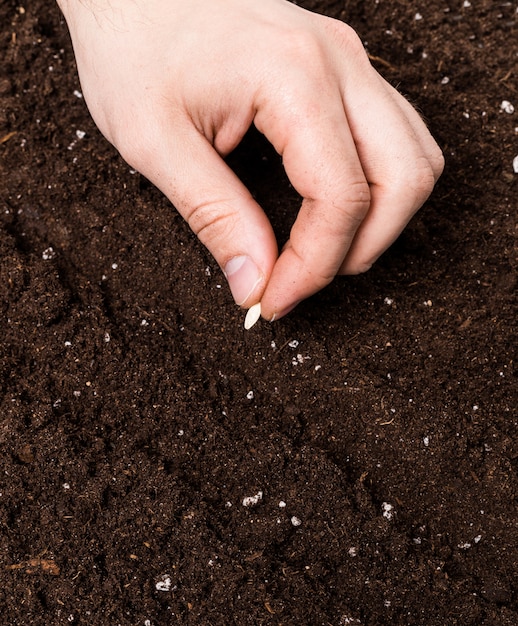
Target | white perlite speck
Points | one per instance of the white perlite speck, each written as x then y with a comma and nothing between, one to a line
388,510
345,620
48,254
296,521
253,500
507,107
515,164
165,584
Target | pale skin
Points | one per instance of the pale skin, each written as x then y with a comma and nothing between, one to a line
175,84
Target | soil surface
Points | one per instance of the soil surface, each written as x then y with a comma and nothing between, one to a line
373,431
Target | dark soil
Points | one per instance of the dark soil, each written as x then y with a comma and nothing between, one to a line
136,414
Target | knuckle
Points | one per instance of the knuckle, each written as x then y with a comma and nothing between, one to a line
355,201
438,162
345,37
212,221
420,178
302,43
425,179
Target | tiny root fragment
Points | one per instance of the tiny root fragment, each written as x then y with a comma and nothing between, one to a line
252,315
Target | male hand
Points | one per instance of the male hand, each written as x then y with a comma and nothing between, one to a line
175,85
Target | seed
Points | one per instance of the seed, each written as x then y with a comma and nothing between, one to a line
253,314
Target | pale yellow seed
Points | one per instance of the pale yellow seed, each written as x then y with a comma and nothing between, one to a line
252,315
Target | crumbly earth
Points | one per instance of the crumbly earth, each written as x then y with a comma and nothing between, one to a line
374,429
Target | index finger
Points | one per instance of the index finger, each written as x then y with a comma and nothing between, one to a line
322,163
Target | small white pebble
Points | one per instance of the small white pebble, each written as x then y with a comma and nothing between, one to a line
296,521
293,344
445,80
252,315
388,301
507,107
77,93
426,441
80,134
387,510
48,254
250,395
164,584
418,17
282,504
515,164
253,500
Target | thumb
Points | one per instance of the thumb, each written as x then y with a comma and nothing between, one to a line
218,207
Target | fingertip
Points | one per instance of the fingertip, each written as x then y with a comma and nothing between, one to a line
279,315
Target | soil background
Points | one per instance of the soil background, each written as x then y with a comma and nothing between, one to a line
378,420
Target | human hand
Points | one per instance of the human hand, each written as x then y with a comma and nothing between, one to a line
175,85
